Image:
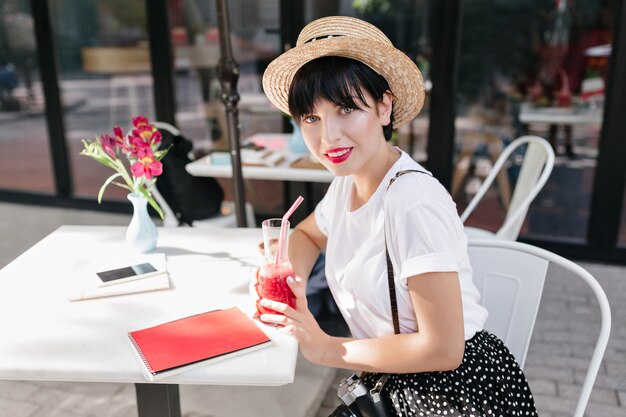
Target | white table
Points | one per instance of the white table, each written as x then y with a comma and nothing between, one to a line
283,171
559,115
47,338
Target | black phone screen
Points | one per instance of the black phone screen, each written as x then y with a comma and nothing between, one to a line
127,271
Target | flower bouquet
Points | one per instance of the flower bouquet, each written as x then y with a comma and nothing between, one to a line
140,149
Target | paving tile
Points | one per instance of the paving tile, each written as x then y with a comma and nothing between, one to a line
540,386
600,410
617,383
562,362
549,372
87,388
14,408
615,367
598,395
550,404
302,398
18,390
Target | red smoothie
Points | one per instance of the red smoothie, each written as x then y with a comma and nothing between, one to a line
272,284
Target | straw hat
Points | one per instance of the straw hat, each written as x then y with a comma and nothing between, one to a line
351,38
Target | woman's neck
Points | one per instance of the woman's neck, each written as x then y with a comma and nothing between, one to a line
366,183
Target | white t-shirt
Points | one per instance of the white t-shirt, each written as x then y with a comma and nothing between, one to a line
424,234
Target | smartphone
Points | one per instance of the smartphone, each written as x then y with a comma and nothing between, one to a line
127,273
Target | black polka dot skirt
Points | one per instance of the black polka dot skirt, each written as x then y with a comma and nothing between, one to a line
489,382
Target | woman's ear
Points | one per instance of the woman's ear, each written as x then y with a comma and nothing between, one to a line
385,107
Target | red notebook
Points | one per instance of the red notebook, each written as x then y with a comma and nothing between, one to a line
186,343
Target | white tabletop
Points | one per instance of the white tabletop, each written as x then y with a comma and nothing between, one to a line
46,337
560,115
279,172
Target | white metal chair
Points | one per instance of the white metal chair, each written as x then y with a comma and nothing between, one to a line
510,277
536,168
226,217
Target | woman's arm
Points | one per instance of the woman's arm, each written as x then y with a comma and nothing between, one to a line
437,346
305,244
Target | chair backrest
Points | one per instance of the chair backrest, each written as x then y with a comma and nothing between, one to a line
536,168
167,127
510,277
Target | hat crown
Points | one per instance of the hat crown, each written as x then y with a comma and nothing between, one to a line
328,27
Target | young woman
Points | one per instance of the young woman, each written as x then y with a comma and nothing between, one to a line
347,87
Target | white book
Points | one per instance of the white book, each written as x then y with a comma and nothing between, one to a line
87,284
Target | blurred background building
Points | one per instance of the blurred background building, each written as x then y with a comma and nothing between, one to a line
494,70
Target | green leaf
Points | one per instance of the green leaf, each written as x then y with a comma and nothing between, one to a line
158,155
106,183
156,206
119,184
151,200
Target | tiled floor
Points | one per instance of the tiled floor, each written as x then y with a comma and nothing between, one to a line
559,352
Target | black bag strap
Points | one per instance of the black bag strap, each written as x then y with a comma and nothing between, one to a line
390,275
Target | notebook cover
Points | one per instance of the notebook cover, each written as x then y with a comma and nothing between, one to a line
196,338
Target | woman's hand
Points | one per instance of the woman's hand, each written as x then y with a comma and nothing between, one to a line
298,322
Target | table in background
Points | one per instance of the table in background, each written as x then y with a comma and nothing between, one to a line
567,117
47,338
282,171
297,180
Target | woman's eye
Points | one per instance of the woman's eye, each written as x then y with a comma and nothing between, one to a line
347,110
309,119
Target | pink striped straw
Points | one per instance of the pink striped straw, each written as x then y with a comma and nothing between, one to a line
283,228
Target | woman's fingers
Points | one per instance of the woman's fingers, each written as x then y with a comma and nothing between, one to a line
278,306
299,290
276,319
290,330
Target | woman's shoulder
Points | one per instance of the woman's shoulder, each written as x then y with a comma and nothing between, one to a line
414,185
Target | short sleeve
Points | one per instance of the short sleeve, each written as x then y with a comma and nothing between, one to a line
428,238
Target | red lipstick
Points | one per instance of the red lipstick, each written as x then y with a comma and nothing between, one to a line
338,155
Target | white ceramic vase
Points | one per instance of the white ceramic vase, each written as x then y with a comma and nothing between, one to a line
142,233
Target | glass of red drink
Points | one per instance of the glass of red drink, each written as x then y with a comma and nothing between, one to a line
272,278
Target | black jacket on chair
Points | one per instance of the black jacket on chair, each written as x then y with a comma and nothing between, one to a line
190,198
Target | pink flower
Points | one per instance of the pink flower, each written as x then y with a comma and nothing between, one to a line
148,133
108,144
118,134
146,165
140,121
135,145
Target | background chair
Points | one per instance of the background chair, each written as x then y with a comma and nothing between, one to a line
534,172
510,277
226,216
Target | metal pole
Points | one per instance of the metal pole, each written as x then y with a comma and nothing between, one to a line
229,74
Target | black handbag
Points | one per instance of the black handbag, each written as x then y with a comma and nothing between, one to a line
357,397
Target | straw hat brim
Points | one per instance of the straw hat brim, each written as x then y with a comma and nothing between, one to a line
403,76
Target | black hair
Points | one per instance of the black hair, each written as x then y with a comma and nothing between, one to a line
338,80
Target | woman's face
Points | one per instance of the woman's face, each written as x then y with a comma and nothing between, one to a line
347,140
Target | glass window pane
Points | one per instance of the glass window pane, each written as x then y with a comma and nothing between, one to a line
534,67
105,78
255,41
25,162
201,115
